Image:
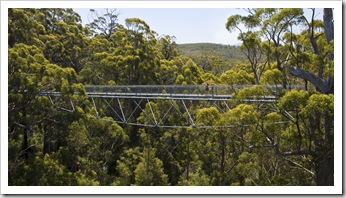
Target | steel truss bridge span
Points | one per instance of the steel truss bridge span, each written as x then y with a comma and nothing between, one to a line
126,102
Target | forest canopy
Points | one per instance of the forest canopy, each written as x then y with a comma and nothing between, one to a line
57,141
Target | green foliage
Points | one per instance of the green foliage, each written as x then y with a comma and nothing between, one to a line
190,74
273,76
236,77
168,71
198,178
67,141
254,92
208,116
320,104
169,48
248,168
233,22
126,167
213,58
294,100
227,52
149,171
210,78
242,114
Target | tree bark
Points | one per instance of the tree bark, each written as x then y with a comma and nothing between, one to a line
324,168
328,23
25,145
325,162
324,86
45,145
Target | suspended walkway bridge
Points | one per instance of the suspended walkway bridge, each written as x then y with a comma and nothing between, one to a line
125,103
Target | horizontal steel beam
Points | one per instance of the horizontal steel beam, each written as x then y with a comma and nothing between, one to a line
106,101
159,96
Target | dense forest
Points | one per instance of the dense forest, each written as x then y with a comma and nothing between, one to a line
211,57
50,50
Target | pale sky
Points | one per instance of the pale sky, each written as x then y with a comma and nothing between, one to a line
188,25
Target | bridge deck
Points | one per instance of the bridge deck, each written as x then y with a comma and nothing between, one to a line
177,89
106,101
168,92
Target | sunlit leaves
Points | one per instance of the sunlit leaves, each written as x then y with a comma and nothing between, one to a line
168,71
149,171
197,178
22,29
233,22
191,74
243,114
236,77
273,76
169,48
286,15
248,167
126,166
210,78
320,105
254,92
208,116
294,100
79,136
249,143
87,179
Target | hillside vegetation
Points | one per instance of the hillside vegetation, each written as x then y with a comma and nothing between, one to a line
71,139
209,56
229,52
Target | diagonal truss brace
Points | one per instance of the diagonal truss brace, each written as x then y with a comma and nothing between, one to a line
112,105
66,107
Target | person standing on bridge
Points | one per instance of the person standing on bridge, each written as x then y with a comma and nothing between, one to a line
207,89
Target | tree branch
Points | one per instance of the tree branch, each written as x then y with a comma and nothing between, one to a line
275,146
324,86
24,151
288,153
300,166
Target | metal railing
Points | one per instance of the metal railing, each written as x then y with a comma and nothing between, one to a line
164,89
177,89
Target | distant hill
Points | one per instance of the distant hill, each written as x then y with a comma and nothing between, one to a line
211,57
229,52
